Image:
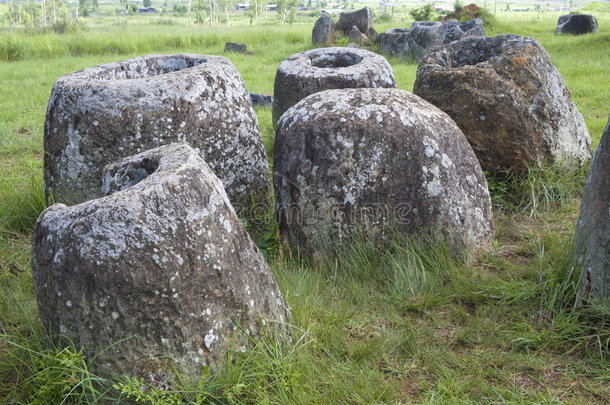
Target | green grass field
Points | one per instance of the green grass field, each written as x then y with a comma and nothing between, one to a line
404,325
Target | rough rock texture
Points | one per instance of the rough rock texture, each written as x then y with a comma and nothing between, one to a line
509,100
414,43
98,115
576,24
366,160
394,42
423,36
455,30
162,260
371,34
315,70
323,32
356,36
235,47
261,99
593,227
363,19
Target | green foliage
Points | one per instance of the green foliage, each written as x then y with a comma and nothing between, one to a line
489,20
21,207
597,7
147,3
383,18
45,373
179,8
10,48
423,13
537,188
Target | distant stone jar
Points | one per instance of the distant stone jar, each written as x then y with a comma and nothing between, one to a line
98,115
362,19
236,47
370,162
158,273
576,24
315,70
323,32
508,99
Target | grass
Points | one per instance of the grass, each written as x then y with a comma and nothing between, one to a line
407,324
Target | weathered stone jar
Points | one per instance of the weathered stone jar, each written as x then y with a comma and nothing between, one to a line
373,161
508,99
162,261
576,24
592,236
308,72
98,115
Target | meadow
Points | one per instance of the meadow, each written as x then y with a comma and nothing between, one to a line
407,324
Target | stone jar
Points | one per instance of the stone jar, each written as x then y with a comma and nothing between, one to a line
158,272
98,115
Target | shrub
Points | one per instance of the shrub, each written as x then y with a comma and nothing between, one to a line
423,13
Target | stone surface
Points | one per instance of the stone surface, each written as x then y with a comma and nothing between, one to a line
366,160
576,24
261,99
357,37
394,42
371,34
162,261
509,100
235,47
592,238
98,115
315,70
323,32
363,19
414,43
455,30
423,36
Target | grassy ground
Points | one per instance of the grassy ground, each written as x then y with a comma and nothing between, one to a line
403,325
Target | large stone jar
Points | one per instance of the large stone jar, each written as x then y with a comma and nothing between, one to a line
158,272
98,115
592,236
374,161
508,99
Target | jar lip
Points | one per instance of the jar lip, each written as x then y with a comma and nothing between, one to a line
144,68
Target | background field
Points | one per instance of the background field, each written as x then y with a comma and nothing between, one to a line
404,325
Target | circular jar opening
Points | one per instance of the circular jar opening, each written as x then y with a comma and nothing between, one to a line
335,60
477,51
145,67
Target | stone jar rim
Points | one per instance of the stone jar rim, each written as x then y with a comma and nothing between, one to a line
103,74
304,64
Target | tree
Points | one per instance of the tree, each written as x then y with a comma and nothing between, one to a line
293,11
83,8
282,6
147,3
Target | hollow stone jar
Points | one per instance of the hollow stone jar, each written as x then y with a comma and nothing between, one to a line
159,272
98,115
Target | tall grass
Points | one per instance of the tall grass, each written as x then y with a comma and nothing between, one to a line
537,188
145,39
